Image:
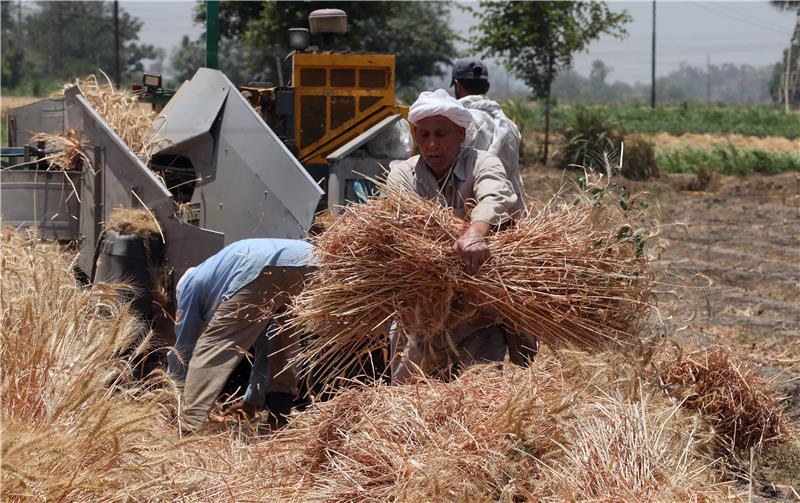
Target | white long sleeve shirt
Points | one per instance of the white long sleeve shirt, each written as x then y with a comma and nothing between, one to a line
493,132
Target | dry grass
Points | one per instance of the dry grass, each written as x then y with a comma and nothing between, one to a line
574,273
70,155
75,427
547,433
131,221
120,109
768,143
741,406
9,102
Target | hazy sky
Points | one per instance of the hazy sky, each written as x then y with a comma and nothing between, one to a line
725,32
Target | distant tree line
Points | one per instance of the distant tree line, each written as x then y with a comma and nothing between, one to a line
47,43
726,83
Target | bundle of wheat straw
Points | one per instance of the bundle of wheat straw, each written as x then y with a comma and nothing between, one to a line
572,273
120,109
741,405
561,430
67,432
625,450
75,426
69,155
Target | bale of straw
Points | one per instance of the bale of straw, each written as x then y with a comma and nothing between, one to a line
572,273
742,406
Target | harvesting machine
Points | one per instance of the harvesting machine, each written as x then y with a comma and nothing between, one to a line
233,163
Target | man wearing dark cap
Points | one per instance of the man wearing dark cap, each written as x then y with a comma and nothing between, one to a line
491,129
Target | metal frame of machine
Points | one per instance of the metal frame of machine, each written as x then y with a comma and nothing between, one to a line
244,152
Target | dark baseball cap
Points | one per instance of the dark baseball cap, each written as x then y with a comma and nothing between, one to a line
469,69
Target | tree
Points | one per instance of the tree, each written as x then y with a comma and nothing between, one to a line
187,58
191,55
599,72
63,40
12,44
597,76
535,40
416,32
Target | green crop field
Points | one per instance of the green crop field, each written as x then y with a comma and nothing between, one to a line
755,120
727,160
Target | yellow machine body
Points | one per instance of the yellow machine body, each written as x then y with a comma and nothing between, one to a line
338,96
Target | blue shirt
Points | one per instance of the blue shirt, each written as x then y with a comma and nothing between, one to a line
204,287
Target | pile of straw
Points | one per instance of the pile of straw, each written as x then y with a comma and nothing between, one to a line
547,433
120,109
572,273
130,221
741,405
75,427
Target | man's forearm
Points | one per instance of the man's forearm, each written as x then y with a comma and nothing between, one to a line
473,247
477,230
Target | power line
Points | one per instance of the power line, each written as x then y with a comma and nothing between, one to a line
735,17
729,5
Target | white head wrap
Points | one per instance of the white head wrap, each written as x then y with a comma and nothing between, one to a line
439,102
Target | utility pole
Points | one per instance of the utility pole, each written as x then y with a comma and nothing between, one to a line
116,45
653,66
708,78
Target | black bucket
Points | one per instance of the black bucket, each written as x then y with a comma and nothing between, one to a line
132,260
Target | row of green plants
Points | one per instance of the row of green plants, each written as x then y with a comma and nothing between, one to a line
753,120
727,160
591,140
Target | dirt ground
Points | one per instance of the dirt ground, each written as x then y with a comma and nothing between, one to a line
732,257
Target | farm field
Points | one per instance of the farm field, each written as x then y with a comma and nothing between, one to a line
728,253
9,102
735,250
732,256
751,120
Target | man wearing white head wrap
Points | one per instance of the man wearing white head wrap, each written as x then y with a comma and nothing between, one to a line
439,102
474,183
